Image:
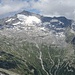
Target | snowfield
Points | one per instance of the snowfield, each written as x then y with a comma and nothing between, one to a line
28,19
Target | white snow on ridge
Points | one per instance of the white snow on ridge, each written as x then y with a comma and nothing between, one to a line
28,19
10,20
54,20
32,19
17,23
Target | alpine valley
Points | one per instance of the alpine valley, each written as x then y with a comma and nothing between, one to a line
31,44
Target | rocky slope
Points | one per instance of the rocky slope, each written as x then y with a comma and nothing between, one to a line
31,44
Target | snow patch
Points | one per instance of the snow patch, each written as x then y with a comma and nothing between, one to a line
10,20
17,23
54,20
28,19
42,28
61,34
32,19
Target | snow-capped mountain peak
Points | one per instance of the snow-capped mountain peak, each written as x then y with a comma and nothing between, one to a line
31,25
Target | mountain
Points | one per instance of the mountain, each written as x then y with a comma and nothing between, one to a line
31,44
35,27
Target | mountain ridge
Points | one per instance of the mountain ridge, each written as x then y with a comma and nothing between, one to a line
37,45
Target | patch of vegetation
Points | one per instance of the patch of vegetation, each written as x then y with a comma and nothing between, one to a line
23,58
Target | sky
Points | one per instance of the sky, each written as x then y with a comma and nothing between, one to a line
44,7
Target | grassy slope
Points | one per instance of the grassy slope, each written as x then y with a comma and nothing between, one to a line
24,58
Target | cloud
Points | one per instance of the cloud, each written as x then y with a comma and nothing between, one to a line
7,6
46,7
56,7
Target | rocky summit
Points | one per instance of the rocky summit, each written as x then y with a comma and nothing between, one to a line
31,44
